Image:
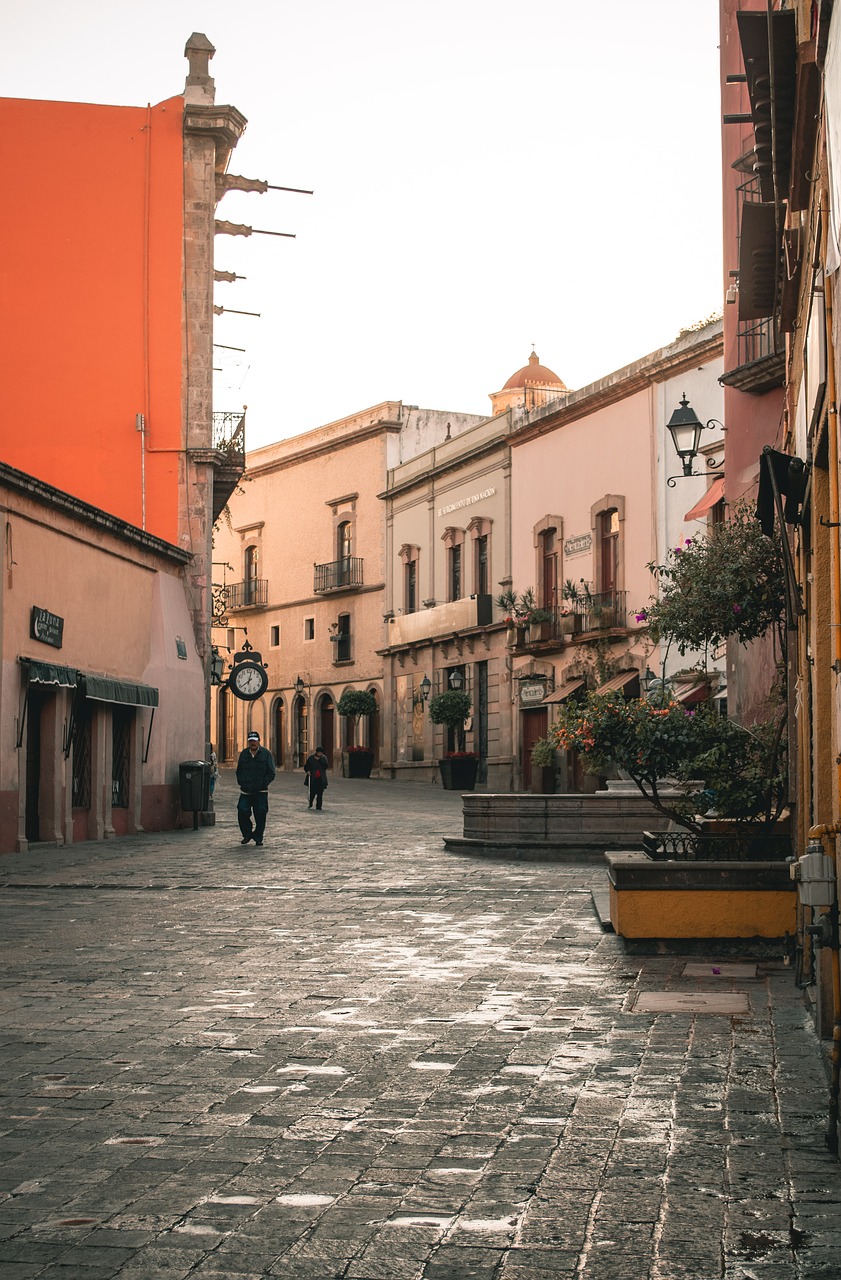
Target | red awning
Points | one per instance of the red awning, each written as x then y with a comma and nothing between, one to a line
713,495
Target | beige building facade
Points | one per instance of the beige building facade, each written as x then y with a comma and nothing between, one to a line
588,515
448,547
300,566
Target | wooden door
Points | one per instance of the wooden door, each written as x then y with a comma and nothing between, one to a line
533,725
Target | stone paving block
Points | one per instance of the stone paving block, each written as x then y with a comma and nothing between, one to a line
561,1110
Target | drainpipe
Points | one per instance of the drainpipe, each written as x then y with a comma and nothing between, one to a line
821,832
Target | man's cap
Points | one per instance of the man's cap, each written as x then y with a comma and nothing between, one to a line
320,749
253,737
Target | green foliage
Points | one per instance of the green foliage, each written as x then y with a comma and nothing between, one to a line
728,582
543,753
356,702
717,764
450,708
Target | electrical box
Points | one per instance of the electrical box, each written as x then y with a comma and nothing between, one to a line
815,876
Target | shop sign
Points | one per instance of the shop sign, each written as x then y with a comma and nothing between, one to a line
466,502
532,692
46,627
578,545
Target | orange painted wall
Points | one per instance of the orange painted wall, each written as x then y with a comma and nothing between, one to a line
92,228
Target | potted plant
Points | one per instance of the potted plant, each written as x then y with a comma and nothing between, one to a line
543,766
540,624
458,768
356,760
571,616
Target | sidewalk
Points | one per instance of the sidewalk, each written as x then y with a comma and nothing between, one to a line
351,1054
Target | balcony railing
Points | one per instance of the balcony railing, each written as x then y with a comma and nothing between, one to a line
338,575
229,435
248,594
598,611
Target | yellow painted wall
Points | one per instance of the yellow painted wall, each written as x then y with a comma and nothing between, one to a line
702,913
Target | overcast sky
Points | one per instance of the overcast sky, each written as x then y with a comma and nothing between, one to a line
488,175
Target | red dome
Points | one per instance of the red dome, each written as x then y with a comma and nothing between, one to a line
533,374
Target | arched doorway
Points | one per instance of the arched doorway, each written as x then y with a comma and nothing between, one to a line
326,723
300,746
277,727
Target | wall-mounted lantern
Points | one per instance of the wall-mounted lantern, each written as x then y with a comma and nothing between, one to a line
685,428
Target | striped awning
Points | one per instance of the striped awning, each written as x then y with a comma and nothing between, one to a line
566,691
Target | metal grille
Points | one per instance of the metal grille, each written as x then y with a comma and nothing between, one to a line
689,846
121,724
229,434
337,574
243,595
82,759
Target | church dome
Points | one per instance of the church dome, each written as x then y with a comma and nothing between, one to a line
534,374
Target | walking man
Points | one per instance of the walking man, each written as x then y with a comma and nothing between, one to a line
255,770
316,775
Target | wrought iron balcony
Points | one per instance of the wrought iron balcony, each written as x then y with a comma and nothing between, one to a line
229,444
594,611
338,575
248,594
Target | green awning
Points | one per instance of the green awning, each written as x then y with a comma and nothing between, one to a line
50,673
104,689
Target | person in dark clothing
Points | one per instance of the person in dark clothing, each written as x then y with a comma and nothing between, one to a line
315,769
255,770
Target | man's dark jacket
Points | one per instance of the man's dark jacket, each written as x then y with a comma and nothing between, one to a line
254,773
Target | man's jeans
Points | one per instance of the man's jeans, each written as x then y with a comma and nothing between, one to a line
258,804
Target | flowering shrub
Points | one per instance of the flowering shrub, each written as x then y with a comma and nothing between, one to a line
728,582
460,755
359,751
717,764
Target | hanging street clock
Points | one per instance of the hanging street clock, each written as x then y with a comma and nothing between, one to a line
248,679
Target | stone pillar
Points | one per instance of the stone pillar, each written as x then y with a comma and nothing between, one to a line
210,134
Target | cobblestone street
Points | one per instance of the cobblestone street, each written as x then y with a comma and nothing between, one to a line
351,1054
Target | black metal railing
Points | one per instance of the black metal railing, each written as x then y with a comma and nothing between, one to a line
338,574
594,611
602,610
244,595
690,846
229,435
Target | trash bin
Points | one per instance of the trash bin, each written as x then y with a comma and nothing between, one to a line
194,786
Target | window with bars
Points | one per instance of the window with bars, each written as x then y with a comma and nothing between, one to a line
122,720
455,571
82,757
410,579
481,577
343,643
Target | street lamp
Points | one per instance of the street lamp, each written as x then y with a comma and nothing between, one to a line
456,678
423,692
299,686
685,428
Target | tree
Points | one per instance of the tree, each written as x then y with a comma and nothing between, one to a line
451,708
715,764
728,582
355,703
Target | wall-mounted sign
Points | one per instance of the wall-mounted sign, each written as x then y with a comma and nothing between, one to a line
46,627
532,692
180,648
577,546
466,502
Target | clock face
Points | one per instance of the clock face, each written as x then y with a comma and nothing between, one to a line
248,680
